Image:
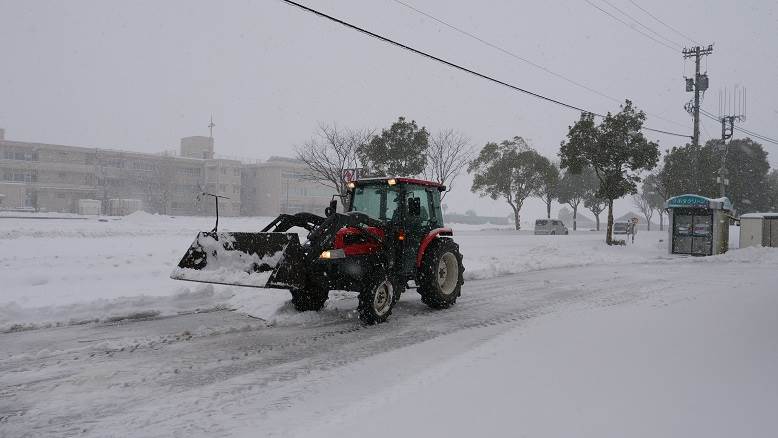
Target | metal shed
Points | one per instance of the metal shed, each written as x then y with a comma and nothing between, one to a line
698,225
759,229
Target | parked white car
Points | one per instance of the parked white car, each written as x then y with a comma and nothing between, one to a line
550,226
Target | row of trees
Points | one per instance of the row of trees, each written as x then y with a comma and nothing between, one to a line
607,161
402,149
602,163
513,171
599,163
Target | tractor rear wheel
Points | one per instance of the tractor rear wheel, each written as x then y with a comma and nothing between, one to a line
309,299
376,299
441,274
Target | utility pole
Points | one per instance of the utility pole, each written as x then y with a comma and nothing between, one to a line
727,130
727,126
697,84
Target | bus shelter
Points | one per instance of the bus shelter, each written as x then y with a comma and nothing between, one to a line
698,225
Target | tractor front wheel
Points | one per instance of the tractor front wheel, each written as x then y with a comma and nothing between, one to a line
441,274
376,300
309,299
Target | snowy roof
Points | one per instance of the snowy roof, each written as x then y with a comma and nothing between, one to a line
759,215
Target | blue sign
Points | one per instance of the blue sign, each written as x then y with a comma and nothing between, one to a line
697,201
688,201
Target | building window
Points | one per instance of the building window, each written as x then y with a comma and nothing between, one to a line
292,175
113,162
16,175
60,195
20,154
142,165
191,171
30,199
62,175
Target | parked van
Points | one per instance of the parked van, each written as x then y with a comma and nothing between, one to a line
550,226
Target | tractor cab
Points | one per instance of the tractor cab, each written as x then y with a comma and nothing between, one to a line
397,200
410,208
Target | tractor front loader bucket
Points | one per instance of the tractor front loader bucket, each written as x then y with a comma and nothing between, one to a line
273,260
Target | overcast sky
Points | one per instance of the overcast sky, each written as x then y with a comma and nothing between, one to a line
138,75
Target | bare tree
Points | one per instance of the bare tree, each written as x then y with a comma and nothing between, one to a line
448,154
330,153
642,202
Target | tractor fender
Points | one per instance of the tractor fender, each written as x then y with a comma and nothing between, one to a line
432,235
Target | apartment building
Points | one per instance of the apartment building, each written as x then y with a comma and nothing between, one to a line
53,178
281,185
34,176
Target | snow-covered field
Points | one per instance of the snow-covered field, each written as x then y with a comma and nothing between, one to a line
553,336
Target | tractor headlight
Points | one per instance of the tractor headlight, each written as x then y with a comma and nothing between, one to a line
332,254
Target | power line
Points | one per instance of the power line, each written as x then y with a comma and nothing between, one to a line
523,59
755,135
641,24
663,23
743,130
631,27
507,52
457,66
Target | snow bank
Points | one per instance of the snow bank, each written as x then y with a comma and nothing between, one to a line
756,255
489,254
200,298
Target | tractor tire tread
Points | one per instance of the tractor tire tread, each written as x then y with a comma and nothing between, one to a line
428,287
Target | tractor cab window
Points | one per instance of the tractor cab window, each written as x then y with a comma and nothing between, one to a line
426,214
393,201
376,201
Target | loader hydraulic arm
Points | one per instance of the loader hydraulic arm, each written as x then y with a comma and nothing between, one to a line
284,222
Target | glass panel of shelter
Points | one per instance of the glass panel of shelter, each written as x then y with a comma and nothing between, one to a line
693,232
702,234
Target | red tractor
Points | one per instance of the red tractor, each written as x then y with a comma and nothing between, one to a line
391,233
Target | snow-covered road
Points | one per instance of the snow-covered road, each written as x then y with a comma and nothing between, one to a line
223,373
